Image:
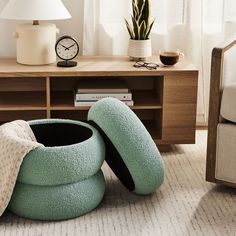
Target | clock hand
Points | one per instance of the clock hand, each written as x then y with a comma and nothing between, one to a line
64,46
71,46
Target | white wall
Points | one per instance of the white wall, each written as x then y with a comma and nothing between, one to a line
73,26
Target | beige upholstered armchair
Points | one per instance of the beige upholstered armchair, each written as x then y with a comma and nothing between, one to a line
221,148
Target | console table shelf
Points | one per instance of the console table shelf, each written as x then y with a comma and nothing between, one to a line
164,99
143,99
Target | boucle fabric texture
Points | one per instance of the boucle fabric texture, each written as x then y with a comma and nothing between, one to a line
72,151
138,163
227,108
16,140
225,153
59,202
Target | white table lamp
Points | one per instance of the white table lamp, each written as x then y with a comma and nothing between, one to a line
35,42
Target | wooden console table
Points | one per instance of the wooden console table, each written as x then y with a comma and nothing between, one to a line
164,99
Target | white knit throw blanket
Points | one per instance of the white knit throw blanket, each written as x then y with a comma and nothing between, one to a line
16,140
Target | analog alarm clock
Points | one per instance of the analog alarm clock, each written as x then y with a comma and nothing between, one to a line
67,49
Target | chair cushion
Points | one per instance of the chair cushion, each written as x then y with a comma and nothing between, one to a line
73,151
228,103
226,153
59,202
130,150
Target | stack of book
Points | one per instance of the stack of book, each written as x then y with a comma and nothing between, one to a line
90,91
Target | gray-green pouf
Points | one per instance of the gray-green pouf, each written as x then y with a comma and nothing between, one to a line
73,151
130,150
57,202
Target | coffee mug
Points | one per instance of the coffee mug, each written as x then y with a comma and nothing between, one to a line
170,57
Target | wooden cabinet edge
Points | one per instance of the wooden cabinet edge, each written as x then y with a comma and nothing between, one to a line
48,75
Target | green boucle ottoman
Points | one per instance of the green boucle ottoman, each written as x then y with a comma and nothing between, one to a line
57,202
73,151
130,151
55,181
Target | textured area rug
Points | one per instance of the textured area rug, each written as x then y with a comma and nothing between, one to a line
184,205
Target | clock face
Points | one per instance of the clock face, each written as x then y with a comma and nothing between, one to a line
67,48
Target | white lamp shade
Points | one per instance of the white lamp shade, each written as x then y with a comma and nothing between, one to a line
35,10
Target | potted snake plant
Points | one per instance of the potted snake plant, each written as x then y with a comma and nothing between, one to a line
139,30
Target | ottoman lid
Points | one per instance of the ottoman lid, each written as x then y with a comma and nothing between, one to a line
130,151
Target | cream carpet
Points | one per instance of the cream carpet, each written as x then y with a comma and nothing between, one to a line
184,205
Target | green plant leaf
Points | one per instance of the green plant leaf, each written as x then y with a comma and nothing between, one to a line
141,25
135,28
149,28
137,13
146,11
130,30
142,30
135,10
141,15
140,4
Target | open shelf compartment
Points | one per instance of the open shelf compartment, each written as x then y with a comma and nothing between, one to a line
146,93
143,99
24,99
22,94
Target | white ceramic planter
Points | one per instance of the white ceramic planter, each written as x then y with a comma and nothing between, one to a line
139,49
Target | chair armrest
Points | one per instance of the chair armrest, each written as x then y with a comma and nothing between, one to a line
220,49
216,86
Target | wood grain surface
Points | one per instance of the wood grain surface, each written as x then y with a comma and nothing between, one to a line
92,66
164,99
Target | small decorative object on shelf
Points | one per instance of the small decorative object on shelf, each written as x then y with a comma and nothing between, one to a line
140,44
67,49
148,65
170,57
90,91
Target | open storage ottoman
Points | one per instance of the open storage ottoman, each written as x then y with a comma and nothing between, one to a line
61,180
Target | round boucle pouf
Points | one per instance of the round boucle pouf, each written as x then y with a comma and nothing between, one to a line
73,151
130,151
57,202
